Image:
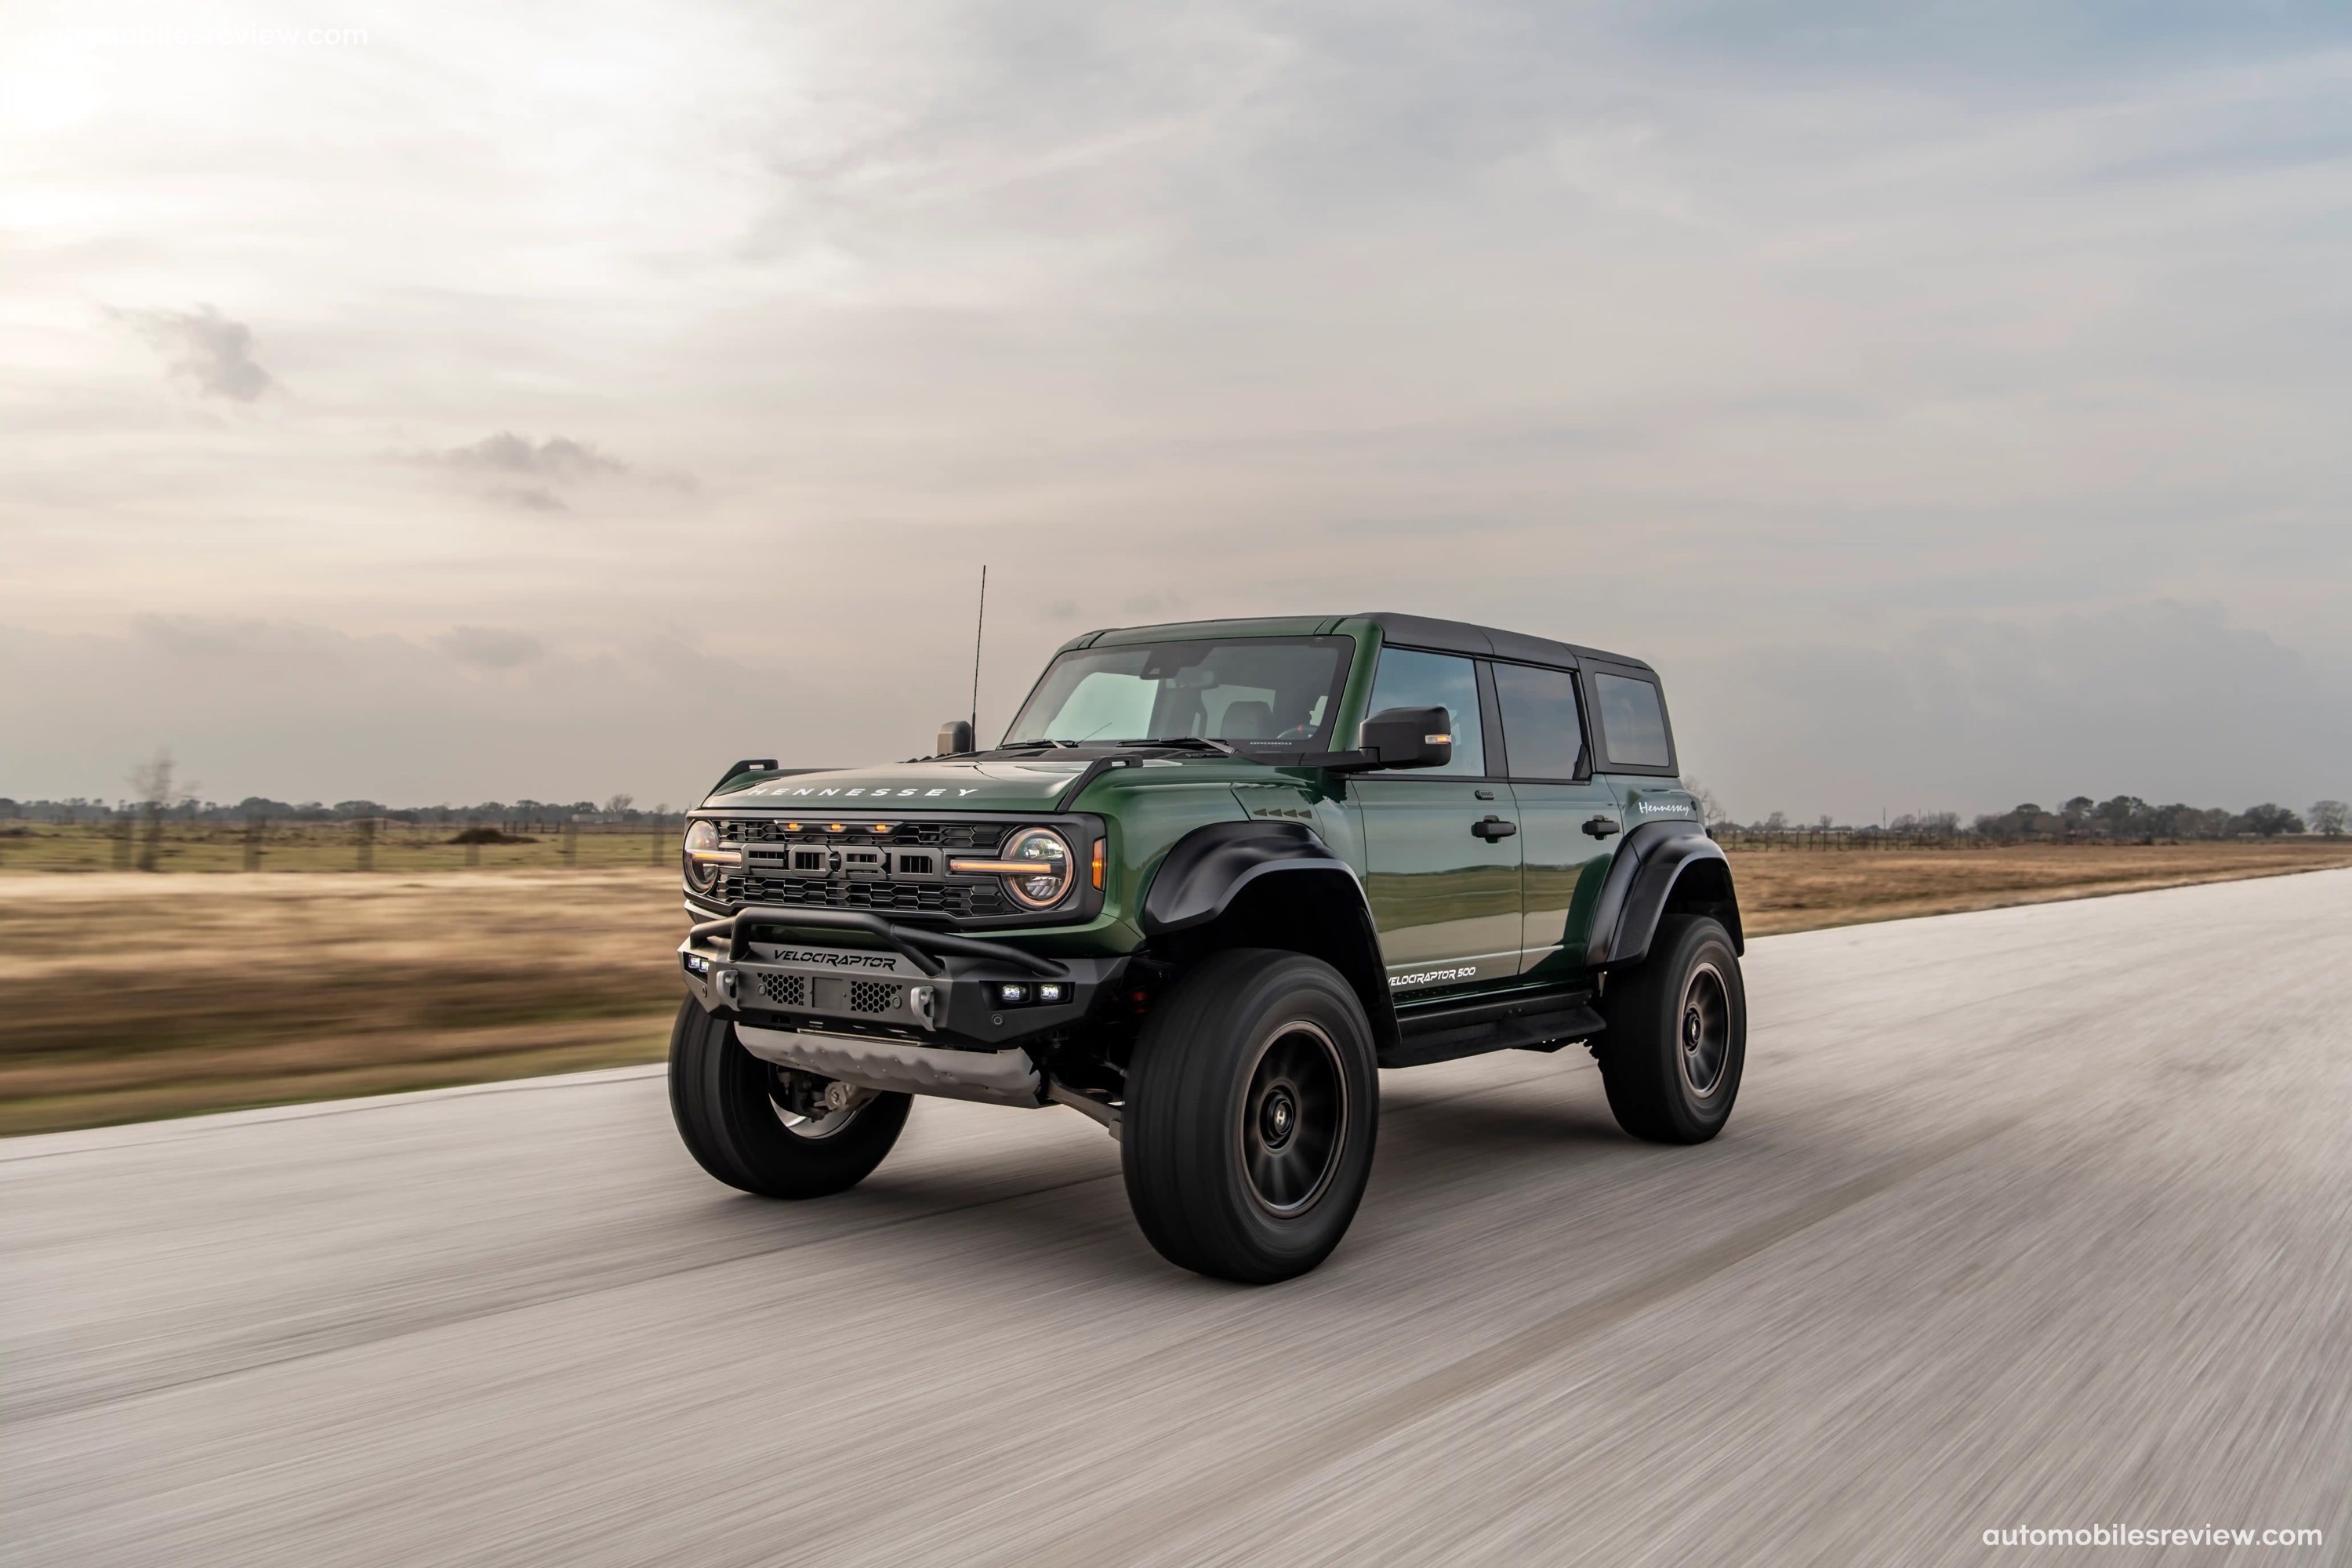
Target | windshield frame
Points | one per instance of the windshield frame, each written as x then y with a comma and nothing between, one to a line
1347,648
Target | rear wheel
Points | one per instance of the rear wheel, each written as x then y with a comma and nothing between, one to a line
1252,1101
767,1131
1677,1037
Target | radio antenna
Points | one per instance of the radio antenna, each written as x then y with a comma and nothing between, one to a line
979,628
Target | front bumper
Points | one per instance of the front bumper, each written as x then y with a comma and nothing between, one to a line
1008,1077
927,988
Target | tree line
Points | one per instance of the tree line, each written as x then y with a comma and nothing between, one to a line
613,808
2121,820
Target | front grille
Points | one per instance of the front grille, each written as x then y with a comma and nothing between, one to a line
901,874
957,900
872,996
784,990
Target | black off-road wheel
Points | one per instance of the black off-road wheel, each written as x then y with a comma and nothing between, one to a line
1677,1036
1253,1097
735,1113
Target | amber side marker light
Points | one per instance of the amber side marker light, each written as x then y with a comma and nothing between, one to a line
1098,865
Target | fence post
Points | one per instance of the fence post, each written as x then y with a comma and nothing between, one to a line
363,829
571,845
119,830
253,831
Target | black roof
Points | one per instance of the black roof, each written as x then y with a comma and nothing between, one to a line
1460,636
1412,631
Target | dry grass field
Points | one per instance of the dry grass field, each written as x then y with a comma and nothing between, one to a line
125,996
1795,889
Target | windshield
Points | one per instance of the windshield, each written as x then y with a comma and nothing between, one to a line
1258,695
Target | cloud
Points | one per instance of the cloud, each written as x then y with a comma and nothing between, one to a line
1804,351
559,458
557,463
2164,699
205,347
490,647
306,711
530,498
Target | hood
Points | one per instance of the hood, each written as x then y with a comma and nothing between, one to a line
943,785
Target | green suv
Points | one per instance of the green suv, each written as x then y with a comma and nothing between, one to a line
1212,878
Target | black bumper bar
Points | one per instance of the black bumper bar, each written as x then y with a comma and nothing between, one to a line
918,946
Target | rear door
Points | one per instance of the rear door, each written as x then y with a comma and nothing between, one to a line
1570,820
1443,880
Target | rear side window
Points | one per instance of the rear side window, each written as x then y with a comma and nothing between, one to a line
1411,679
1541,725
1633,722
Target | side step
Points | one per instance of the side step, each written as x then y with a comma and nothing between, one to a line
1542,1021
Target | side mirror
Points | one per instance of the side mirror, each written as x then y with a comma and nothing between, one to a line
1408,738
955,738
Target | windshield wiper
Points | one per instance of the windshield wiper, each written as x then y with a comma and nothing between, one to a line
1195,743
1023,745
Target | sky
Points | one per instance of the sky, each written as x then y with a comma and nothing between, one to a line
432,402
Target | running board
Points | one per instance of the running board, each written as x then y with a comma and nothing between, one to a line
1544,1022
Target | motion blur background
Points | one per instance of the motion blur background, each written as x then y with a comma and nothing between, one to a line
518,412
431,402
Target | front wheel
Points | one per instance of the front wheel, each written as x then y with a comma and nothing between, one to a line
749,1124
1677,1036
1252,1100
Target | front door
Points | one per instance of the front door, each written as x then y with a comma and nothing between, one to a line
1569,820
1443,880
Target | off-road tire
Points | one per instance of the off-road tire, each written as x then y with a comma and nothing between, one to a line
1258,1059
721,1095
1660,1085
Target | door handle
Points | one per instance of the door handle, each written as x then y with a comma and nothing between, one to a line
1493,827
1601,826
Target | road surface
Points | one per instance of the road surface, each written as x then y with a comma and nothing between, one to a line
2032,1218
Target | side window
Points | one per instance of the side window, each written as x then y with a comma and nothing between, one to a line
1540,723
1633,722
1410,680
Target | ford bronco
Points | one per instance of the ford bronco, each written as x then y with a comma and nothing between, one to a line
1213,876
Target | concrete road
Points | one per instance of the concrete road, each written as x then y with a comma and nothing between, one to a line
2033,1218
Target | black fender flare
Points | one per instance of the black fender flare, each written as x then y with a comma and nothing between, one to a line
1199,878
1653,860
1246,868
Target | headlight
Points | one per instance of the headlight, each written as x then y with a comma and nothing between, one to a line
1038,867
704,858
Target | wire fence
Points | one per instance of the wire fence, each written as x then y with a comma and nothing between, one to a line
358,845
1829,840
